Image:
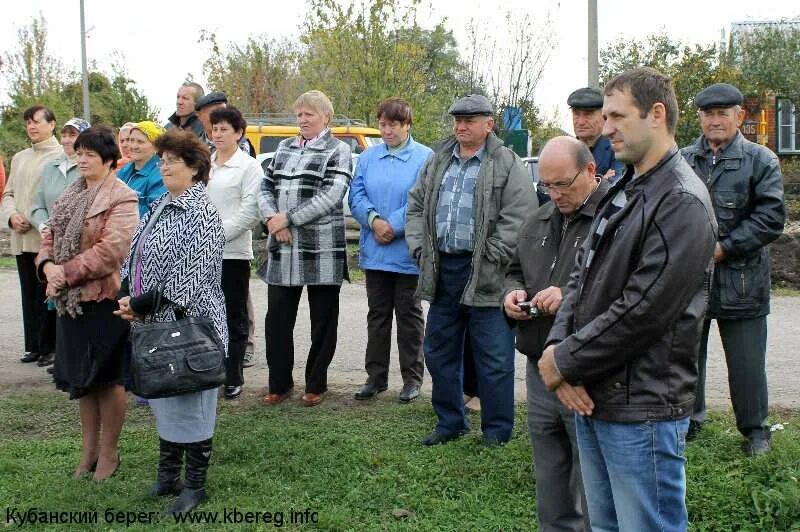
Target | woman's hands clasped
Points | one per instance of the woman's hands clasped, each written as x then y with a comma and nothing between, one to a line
125,312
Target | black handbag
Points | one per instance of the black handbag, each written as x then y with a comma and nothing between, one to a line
175,357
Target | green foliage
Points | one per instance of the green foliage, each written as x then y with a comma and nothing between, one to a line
768,59
360,54
36,76
260,76
361,467
691,68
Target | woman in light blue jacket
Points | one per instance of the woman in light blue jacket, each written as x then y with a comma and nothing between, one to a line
378,200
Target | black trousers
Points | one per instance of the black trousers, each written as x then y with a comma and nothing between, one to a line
235,287
38,323
282,302
745,345
387,293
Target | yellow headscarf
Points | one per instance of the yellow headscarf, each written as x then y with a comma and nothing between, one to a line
150,129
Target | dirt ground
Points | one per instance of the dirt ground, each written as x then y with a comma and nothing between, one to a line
347,370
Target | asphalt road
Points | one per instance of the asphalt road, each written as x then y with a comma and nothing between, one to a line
347,370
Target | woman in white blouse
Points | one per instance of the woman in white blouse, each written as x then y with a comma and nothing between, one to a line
233,189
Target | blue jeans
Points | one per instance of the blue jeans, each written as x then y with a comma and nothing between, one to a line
633,474
492,342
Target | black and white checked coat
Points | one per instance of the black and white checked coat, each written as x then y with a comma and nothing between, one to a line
308,184
184,249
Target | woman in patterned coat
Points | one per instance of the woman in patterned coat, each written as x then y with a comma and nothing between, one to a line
301,201
179,242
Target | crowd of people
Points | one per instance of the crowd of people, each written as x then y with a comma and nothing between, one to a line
605,287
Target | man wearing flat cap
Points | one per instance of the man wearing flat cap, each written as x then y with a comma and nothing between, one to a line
746,187
463,216
203,109
587,122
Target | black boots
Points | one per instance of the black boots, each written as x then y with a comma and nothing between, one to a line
170,461
194,489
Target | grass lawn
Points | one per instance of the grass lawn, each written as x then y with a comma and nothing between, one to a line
360,467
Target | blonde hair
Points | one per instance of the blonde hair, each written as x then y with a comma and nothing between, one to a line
317,101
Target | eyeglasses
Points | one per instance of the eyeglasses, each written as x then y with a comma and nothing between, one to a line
168,161
560,185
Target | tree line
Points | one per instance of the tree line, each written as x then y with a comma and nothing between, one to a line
361,52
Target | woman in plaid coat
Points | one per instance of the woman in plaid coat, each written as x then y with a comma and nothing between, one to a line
301,201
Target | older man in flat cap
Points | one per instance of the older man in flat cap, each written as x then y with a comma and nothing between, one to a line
746,187
203,108
462,221
587,122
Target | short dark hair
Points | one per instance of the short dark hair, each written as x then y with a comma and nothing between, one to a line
188,147
230,115
648,86
395,109
29,113
102,141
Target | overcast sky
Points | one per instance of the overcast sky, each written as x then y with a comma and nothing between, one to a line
159,39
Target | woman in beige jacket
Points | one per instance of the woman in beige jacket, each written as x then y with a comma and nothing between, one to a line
21,189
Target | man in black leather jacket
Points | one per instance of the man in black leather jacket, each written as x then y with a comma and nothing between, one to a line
622,352
746,187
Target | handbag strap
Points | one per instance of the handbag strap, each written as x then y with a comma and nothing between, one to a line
160,285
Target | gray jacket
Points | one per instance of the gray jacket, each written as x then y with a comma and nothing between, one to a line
504,196
545,256
54,183
746,188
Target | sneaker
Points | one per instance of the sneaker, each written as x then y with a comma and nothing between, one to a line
248,361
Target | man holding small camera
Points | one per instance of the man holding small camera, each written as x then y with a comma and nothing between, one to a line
544,258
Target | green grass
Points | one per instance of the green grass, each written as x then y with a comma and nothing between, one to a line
8,263
785,291
361,467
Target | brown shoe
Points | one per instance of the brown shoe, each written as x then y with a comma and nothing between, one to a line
312,399
272,399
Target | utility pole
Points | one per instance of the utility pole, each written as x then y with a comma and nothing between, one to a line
85,71
594,67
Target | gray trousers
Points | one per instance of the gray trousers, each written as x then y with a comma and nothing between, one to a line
745,345
560,501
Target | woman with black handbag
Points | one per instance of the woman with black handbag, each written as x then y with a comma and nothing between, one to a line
173,271
87,236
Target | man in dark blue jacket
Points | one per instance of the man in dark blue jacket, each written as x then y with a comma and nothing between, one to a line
588,121
746,187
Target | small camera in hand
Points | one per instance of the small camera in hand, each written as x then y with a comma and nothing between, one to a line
530,309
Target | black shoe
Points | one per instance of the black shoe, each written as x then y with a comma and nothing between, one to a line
369,390
232,392
170,461
51,370
247,361
757,443
490,441
694,429
409,393
438,438
29,357
46,360
194,491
